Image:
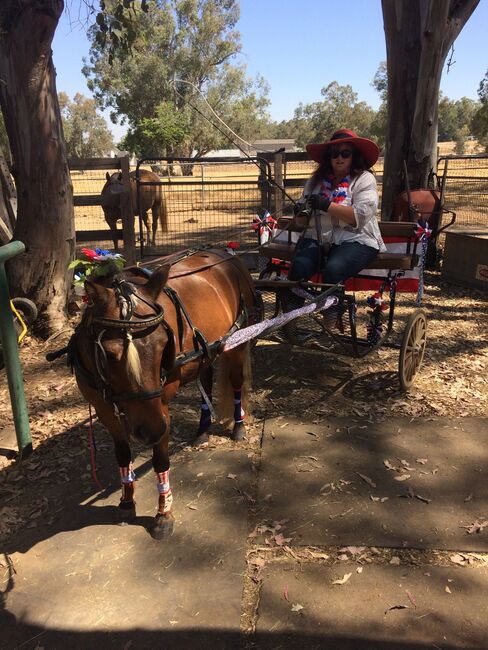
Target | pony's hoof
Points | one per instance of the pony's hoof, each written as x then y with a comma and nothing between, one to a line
201,441
126,511
238,432
162,526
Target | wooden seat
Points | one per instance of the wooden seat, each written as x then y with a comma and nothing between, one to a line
388,261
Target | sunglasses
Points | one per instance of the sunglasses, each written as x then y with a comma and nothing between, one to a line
345,153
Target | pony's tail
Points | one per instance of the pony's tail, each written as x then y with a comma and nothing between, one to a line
228,375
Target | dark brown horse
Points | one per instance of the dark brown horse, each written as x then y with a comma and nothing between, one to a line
142,336
150,198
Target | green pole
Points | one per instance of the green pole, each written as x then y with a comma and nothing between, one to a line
10,349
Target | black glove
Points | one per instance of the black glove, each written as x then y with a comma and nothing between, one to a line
318,202
299,207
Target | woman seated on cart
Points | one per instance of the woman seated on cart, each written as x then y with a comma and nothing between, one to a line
342,236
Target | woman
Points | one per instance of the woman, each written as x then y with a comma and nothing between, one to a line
342,198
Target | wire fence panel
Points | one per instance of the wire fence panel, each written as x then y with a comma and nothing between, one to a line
89,219
466,188
214,205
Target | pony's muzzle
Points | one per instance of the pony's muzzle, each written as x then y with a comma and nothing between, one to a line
149,435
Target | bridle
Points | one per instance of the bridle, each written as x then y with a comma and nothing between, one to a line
98,325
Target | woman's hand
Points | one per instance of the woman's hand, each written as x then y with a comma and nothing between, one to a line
318,202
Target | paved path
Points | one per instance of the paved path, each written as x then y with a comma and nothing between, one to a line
312,541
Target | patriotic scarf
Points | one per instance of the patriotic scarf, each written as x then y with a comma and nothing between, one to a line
337,195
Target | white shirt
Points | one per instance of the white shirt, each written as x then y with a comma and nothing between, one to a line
362,195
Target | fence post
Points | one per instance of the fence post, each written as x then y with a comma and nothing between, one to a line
263,184
127,214
278,176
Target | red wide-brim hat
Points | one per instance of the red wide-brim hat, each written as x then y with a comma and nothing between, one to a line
368,149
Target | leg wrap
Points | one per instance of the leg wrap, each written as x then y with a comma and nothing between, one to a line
127,478
205,417
238,410
164,489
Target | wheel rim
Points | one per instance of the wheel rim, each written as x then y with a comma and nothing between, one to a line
413,349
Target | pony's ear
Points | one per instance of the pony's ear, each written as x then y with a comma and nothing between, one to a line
96,292
157,280
107,176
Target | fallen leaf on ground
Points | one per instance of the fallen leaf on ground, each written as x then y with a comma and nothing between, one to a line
296,607
232,476
411,598
280,539
343,580
476,527
421,461
395,561
396,607
402,477
388,464
285,593
366,479
447,590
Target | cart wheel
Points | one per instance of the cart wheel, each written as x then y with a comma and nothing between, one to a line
412,348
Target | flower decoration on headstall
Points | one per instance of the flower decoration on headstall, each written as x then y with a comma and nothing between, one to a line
423,234
375,326
94,264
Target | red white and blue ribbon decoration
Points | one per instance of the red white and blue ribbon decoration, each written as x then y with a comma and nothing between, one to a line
423,233
263,224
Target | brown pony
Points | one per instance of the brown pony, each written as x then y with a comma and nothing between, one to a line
150,198
143,335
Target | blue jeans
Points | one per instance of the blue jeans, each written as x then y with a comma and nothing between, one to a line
342,262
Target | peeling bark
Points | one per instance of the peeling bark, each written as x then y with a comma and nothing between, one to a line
28,97
419,35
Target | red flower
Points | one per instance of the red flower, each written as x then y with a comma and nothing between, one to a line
88,252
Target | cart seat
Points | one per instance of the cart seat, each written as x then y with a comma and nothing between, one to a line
388,261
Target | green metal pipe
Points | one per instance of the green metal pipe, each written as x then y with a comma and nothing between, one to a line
10,349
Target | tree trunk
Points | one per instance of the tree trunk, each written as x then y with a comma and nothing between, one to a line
29,102
419,35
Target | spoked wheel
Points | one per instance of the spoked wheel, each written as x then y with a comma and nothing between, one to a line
412,348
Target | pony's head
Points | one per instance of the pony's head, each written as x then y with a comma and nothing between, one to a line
127,348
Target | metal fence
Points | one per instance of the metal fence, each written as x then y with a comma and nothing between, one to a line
217,202
466,188
213,203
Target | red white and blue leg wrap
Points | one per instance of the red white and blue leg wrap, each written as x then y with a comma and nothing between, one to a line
164,490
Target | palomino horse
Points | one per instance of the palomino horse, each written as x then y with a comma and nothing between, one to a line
142,336
150,198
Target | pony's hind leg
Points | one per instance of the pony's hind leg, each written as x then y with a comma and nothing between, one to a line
236,364
206,379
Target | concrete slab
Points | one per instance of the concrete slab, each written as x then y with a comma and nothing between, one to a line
393,607
104,577
398,483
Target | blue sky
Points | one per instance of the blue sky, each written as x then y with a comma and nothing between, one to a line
300,46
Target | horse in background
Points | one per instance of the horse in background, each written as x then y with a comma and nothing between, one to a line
142,336
151,198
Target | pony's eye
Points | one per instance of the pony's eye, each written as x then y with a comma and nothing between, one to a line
114,350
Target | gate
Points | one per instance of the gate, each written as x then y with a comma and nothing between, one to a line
466,188
208,201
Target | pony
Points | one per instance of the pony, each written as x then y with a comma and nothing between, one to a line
150,198
143,335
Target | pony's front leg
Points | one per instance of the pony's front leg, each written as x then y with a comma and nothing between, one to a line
162,524
123,454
